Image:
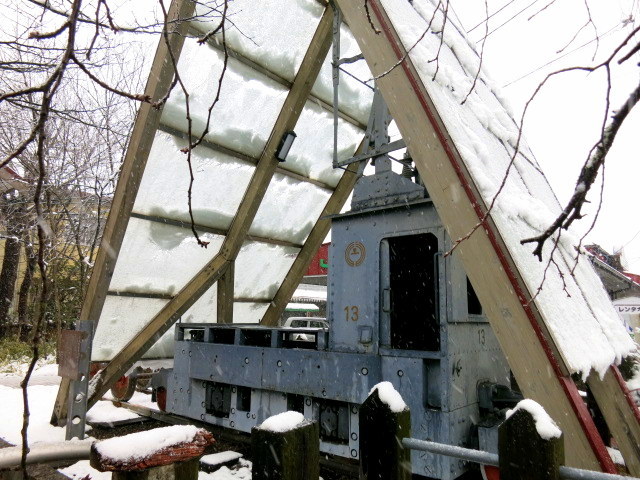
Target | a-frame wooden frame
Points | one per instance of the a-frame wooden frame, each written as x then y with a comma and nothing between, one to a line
532,355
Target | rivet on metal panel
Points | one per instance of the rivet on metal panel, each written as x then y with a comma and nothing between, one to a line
232,424
202,404
253,415
183,351
279,363
400,373
324,393
354,409
354,453
233,389
354,436
202,416
308,402
233,411
246,360
189,352
365,371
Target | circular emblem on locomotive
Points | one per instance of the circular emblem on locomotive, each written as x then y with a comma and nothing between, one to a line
355,254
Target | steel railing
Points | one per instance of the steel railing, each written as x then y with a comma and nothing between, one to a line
486,458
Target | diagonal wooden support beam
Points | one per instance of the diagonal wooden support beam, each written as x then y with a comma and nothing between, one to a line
534,359
142,137
266,167
311,245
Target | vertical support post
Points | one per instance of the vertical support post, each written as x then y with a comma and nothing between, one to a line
337,20
225,294
382,456
524,454
290,455
80,386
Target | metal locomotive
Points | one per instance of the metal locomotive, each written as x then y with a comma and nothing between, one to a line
399,309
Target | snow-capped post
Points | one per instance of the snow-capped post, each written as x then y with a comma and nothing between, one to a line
286,447
384,421
530,444
168,453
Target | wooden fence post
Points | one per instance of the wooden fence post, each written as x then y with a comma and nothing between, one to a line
177,455
524,454
292,454
382,456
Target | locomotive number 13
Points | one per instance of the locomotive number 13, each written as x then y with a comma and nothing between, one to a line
352,313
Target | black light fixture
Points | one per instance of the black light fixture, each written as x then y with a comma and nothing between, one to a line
285,145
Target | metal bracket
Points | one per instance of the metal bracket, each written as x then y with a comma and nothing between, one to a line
80,385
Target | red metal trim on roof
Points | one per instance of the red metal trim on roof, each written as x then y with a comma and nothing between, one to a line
568,385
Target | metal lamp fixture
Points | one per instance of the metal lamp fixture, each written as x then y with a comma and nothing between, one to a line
285,145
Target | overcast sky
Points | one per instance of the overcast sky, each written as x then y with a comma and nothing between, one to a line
564,122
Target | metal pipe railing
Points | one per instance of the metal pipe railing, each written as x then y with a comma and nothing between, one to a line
486,458
46,453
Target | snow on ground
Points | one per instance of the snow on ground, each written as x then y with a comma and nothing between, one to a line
81,469
41,399
107,412
219,458
19,367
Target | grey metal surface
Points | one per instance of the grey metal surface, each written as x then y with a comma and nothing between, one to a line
468,454
78,390
486,458
45,453
577,474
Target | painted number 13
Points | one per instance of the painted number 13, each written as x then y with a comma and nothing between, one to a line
351,312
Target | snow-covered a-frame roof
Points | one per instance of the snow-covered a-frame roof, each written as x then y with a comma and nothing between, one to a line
462,150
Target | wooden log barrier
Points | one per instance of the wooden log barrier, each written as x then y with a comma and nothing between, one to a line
286,447
525,453
383,425
166,453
